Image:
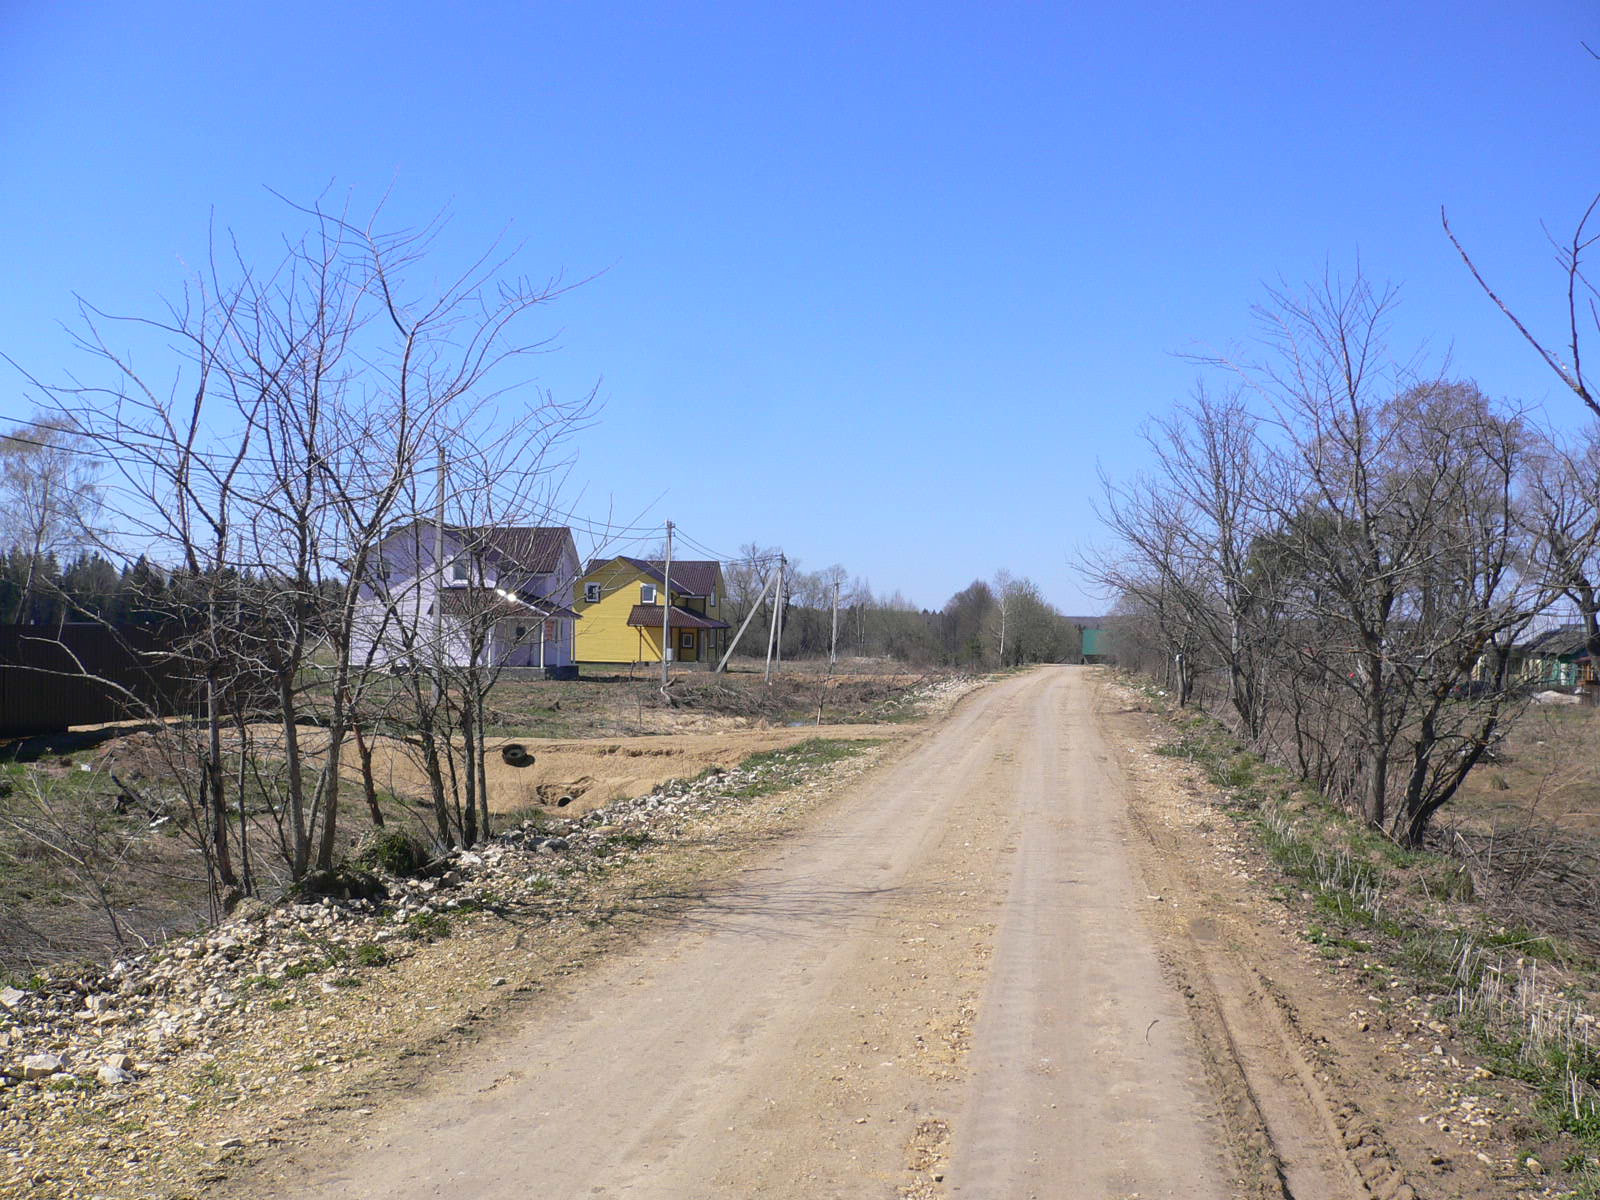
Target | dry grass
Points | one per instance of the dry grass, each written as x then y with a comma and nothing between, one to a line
627,703
1528,826
77,877
1549,774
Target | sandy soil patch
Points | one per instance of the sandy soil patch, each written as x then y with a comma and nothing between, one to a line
591,772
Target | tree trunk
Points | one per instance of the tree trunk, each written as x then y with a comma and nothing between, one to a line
1375,798
216,785
368,786
331,781
294,765
469,829
484,827
247,883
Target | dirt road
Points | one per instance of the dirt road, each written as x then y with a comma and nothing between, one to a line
957,982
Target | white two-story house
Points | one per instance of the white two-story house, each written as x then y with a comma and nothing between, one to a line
505,590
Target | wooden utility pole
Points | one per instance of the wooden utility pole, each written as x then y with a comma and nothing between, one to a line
833,638
666,608
755,607
438,585
780,597
773,631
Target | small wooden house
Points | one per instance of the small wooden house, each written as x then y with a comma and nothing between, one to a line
1556,658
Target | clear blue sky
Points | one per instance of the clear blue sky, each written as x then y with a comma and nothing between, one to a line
900,274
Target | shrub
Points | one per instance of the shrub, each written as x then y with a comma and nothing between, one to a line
427,926
394,851
345,883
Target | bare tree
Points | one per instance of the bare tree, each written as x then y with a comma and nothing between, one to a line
1003,590
746,577
1208,501
1401,539
305,406
1352,574
1582,310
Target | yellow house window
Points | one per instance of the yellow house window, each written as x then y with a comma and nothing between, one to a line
686,639
647,593
591,593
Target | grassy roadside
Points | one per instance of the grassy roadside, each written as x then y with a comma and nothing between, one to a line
1523,1000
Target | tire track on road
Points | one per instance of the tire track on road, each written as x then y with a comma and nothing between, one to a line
1085,1079
1286,1113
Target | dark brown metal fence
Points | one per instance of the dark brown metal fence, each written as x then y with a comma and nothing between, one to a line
53,677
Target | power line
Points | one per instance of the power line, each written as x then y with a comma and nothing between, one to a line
242,467
759,560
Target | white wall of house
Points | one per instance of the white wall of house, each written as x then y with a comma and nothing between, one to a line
397,620
533,643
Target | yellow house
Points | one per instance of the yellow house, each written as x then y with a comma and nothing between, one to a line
620,602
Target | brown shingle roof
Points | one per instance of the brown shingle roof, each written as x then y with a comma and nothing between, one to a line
648,616
491,602
690,576
534,549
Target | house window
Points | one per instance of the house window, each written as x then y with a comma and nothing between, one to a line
712,599
522,632
686,639
458,569
591,593
647,593
552,632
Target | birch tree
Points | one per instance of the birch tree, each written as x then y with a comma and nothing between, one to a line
49,498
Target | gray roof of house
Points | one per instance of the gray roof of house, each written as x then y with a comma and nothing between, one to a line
1557,643
534,548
